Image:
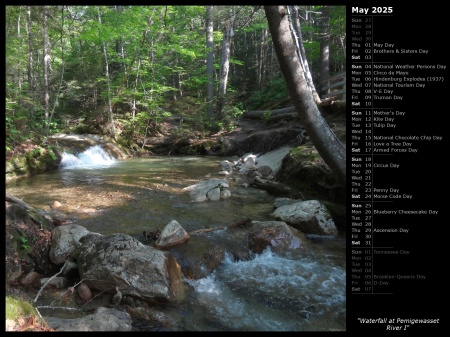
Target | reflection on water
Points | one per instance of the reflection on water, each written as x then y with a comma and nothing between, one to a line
140,194
268,292
71,178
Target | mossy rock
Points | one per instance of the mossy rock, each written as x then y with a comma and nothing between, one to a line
37,161
18,311
305,154
16,308
305,169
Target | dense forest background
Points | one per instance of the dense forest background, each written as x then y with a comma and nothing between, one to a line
120,71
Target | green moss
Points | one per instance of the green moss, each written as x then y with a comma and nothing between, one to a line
305,153
16,308
37,161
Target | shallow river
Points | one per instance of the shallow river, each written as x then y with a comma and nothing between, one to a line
267,293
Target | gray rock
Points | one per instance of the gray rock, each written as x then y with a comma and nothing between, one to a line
65,240
275,234
104,319
173,234
265,170
55,282
311,217
138,270
207,190
285,201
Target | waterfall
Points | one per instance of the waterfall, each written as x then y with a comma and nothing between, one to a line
86,151
92,158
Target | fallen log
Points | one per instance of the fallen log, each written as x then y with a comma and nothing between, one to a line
258,114
32,211
13,199
331,105
286,116
169,140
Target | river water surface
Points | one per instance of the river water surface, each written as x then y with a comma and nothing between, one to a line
266,293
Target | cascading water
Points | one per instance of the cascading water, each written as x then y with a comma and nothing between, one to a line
93,158
272,293
304,291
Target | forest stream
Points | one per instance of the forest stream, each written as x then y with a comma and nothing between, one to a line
269,292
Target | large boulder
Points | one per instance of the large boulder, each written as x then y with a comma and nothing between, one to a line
212,189
65,240
310,216
138,270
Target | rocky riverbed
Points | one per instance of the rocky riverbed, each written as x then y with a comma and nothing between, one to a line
29,231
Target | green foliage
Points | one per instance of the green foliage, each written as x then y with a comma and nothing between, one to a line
275,91
51,149
156,60
36,152
235,111
24,243
266,117
232,114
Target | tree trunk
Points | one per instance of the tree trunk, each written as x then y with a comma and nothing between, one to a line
210,61
46,67
323,138
135,89
325,48
108,81
223,77
261,58
30,51
19,47
301,49
225,64
62,72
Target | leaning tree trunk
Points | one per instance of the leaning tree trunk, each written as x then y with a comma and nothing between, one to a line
301,49
323,138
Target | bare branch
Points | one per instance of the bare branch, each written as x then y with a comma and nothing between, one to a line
51,278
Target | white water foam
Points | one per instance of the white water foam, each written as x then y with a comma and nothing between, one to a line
92,158
268,288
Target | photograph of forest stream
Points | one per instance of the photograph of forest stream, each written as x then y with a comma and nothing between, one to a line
175,168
